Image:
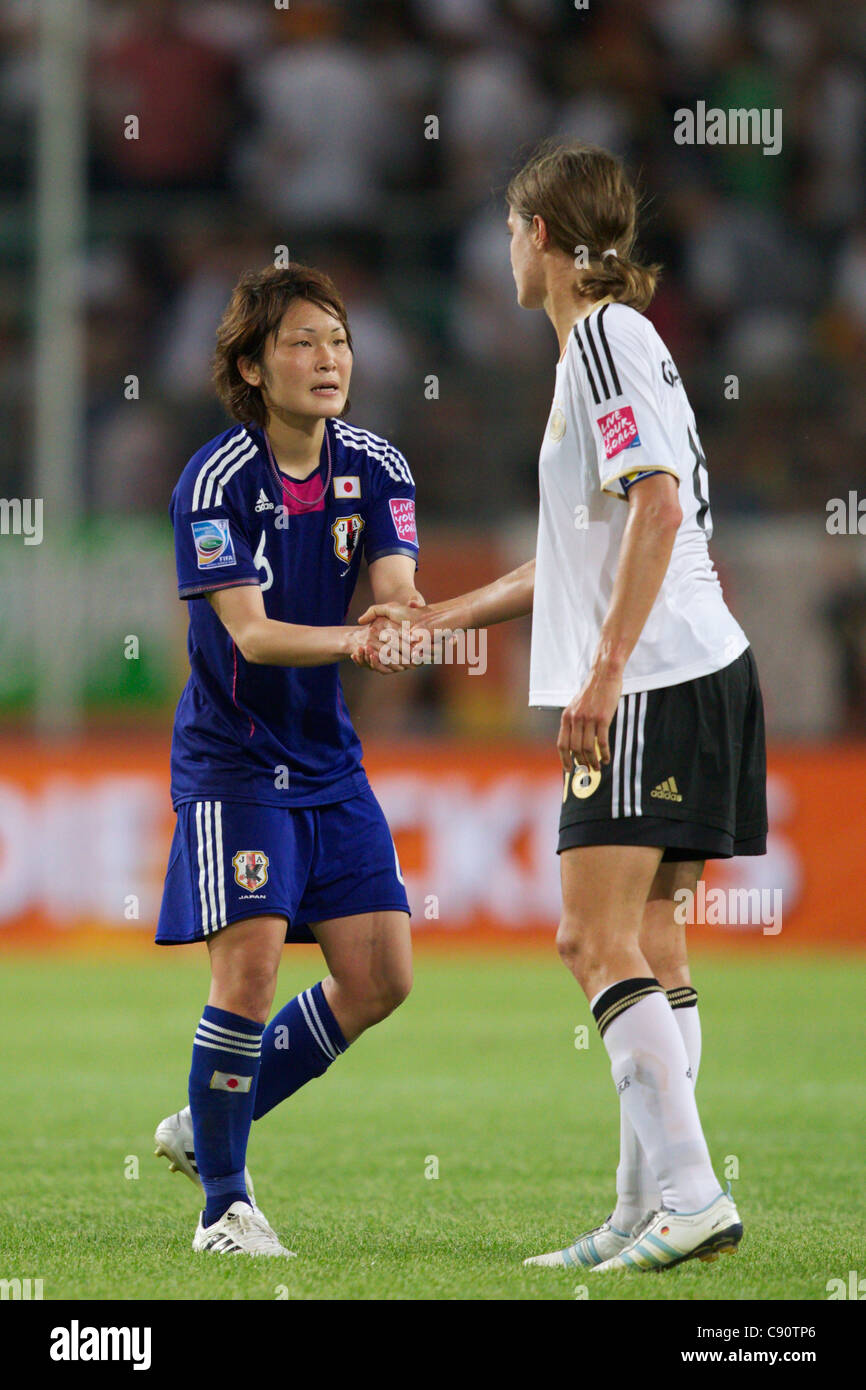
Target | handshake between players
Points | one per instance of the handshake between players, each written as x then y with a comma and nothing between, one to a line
391,637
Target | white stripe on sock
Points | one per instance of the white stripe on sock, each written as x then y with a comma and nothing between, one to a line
252,1052
314,1011
252,1047
324,1045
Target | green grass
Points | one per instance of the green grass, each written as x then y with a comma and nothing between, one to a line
479,1068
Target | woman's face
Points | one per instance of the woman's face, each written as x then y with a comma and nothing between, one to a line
306,368
526,263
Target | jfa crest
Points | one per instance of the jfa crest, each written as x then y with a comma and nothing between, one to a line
346,531
251,869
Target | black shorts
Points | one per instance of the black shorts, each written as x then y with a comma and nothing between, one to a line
687,772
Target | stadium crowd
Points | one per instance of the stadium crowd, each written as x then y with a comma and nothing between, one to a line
309,127
374,138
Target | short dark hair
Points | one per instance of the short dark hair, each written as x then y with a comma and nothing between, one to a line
254,312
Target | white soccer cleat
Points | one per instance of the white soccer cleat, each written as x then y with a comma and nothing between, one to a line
242,1230
667,1238
174,1141
599,1244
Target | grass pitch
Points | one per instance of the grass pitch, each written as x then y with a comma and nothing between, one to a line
477,1075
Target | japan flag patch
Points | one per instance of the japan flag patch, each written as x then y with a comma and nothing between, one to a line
347,487
403,516
229,1081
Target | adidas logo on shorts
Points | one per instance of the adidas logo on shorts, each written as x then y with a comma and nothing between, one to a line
667,790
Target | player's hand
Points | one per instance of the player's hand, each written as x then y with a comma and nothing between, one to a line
396,613
378,647
585,725
427,631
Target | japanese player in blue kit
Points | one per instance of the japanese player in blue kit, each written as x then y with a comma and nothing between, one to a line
279,836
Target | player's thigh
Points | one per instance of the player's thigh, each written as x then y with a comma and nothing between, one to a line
604,892
662,937
246,954
369,953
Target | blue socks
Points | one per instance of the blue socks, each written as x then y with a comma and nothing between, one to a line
226,1058
240,1071
300,1042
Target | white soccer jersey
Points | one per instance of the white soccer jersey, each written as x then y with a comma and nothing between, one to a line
620,409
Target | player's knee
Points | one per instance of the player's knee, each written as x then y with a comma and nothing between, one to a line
573,943
387,994
249,994
583,951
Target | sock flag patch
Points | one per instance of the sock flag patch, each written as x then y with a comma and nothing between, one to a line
226,1057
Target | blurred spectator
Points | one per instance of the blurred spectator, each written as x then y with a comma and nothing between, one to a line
324,130
180,89
305,127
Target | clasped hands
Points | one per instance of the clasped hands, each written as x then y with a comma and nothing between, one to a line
391,637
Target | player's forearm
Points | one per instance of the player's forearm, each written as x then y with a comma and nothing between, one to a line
644,557
272,643
505,598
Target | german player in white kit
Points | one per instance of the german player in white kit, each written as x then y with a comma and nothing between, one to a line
661,736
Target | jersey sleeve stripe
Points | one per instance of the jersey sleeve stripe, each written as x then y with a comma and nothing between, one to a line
216,461
223,472
379,449
595,396
193,590
606,346
624,471
244,458
596,358
392,550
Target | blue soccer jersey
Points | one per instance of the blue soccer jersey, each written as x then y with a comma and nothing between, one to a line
277,735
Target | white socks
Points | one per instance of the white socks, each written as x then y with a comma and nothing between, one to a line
637,1191
650,1065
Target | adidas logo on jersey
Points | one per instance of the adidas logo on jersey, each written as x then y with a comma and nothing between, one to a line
263,504
667,790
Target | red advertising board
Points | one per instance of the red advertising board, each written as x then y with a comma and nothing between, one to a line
84,834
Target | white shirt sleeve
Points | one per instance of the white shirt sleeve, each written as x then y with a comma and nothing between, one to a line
614,368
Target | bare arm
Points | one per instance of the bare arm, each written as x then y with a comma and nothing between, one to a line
265,641
645,551
392,579
505,598
654,517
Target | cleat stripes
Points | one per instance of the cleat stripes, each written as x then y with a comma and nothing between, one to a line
687,1238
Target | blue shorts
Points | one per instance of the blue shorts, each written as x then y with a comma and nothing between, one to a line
230,860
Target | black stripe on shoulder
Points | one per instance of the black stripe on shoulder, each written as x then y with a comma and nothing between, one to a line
606,346
595,396
590,338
